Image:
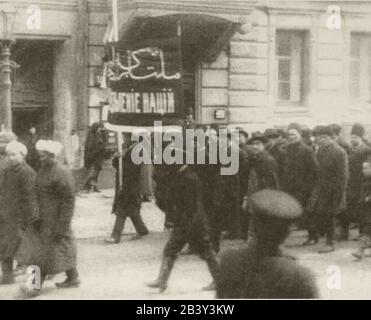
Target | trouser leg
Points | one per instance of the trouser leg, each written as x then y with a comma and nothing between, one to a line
244,224
330,228
344,220
175,244
137,220
216,230
7,267
212,263
72,274
311,222
118,227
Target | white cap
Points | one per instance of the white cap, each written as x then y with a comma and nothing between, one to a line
16,146
53,147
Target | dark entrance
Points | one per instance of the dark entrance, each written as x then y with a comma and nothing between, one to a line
32,87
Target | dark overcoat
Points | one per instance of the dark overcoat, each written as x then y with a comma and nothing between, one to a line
300,172
56,197
329,193
32,156
128,198
356,158
94,148
263,173
19,206
279,153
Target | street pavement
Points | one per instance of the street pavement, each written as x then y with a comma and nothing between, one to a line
120,271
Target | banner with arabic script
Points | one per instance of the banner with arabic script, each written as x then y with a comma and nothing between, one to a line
147,77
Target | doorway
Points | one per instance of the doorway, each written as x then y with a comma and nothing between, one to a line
25,118
32,91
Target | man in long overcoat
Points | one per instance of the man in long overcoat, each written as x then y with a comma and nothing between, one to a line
55,187
328,198
127,202
19,206
226,214
300,174
262,173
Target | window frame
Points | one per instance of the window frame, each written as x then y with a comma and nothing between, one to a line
303,35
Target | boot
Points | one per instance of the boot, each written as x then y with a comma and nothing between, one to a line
7,270
213,266
165,270
27,293
113,240
359,254
7,279
327,248
310,242
72,280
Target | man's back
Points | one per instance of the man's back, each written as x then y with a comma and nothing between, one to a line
244,275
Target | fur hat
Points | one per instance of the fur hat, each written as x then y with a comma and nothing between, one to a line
257,137
322,131
335,128
358,130
271,133
295,126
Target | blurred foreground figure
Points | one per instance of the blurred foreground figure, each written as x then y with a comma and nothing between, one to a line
190,221
258,271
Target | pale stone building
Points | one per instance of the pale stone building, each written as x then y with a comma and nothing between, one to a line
268,63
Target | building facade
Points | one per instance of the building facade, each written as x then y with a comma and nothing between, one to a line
268,63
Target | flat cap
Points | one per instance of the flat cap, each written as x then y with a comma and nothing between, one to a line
276,204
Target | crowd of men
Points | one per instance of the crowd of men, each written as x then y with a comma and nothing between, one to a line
317,167
310,177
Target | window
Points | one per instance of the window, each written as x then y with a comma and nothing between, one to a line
292,68
360,67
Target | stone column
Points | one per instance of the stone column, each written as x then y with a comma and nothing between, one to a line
6,85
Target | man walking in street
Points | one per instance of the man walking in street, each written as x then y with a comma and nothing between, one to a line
55,189
128,201
190,222
19,206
